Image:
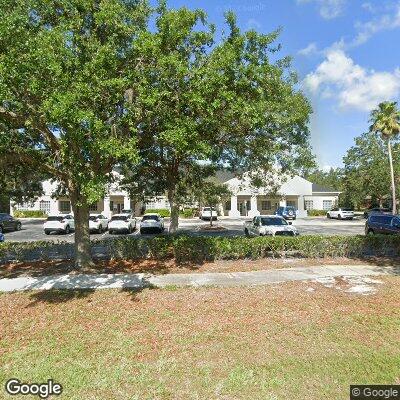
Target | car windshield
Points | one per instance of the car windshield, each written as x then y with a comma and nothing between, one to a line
119,218
272,221
347,209
150,217
56,218
94,217
208,209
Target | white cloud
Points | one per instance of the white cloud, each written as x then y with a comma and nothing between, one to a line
367,29
328,9
308,50
352,85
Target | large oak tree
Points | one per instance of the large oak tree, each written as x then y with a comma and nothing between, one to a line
65,92
231,102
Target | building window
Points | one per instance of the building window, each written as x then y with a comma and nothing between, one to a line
93,207
24,206
265,205
309,205
228,206
44,206
327,205
291,203
65,206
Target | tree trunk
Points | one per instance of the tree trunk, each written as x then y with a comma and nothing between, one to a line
392,177
83,253
174,222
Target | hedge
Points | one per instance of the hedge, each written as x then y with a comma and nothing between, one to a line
29,214
188,213
164,212
202,248
316,213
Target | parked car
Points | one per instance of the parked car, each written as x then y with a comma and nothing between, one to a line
288,212
98,223
269,225
9,223
62,223
340,213
205,213
152,223
382,224
376,210
124,223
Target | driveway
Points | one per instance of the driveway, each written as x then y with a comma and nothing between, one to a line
32,229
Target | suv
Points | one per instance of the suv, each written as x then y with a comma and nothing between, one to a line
9,223
288,212
63,223
382,224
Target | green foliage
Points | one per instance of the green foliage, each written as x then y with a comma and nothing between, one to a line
189,213
367,172
189,249
316,213
29,214
164,212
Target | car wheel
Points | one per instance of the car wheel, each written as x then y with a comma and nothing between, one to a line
19,226
47,232
371,232
67,230
339,217
246,232
100,230
110,231
328,216
141,231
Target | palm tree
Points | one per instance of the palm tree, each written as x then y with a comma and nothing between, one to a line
386,121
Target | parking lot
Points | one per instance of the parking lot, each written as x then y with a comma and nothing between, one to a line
32,229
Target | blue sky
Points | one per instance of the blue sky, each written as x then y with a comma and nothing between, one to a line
346,52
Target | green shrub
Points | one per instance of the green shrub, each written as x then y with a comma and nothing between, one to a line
29,214
164,212
188,213
316,213
198,249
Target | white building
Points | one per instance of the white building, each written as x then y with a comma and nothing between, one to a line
245,200
297,192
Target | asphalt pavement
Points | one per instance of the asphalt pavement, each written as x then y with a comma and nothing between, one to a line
32,229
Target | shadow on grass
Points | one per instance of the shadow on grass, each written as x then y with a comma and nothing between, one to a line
57,296
132,285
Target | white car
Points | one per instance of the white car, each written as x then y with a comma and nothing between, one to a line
269,225
205,213
340,213
62,223
125,223
152,223
98,223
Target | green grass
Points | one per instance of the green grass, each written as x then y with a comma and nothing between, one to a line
208,343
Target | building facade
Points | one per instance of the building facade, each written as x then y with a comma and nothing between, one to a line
246,201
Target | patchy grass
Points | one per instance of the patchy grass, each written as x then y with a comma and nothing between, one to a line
169,266
273,342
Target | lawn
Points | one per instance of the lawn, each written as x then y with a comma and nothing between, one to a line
292,341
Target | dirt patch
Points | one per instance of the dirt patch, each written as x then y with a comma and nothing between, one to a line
157,267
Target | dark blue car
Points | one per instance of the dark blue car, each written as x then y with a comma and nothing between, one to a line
1,237
288,212
382,224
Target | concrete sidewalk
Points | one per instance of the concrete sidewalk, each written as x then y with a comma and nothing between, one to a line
138,281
